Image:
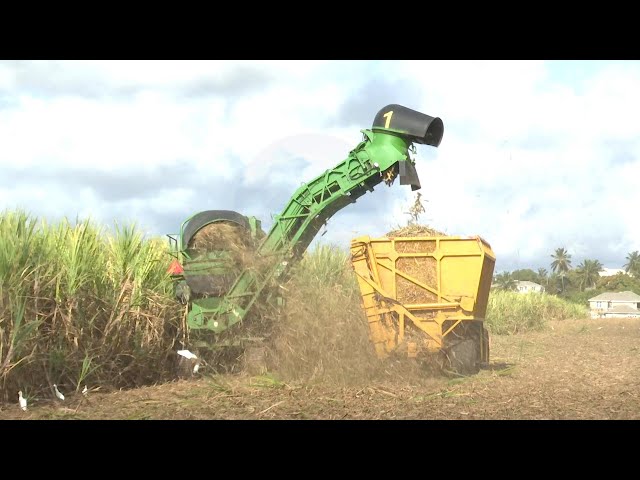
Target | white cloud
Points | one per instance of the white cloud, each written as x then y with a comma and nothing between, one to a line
529,160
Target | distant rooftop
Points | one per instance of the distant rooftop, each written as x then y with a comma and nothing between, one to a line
623,309
626,296
610,272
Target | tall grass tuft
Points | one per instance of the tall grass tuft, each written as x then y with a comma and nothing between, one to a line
512,312
323,334
78,305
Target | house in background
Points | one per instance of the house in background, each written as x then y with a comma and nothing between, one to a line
610,272
523,286
615,305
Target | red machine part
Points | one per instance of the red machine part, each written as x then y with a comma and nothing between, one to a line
175,268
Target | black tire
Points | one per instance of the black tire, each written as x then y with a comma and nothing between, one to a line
462,358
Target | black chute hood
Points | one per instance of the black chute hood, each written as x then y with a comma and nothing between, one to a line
416,126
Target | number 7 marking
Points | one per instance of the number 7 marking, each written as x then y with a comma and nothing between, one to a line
388,116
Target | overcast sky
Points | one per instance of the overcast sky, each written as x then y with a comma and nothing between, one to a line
535,155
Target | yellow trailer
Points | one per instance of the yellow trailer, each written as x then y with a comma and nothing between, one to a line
426,295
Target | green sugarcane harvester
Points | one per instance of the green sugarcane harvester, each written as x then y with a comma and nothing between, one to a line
219,297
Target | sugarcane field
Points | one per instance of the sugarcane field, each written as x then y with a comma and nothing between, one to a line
225,270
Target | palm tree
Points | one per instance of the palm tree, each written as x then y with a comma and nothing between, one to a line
561,263
504,281
542,274
588,272
633,263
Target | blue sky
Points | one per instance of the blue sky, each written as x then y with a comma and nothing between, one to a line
536,155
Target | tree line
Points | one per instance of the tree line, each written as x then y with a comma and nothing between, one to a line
578,283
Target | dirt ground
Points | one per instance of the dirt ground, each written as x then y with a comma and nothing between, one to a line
587,369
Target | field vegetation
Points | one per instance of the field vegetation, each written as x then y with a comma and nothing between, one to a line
82,304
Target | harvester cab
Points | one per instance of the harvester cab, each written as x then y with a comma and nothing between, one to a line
224,262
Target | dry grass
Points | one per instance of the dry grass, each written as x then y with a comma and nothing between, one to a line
423,269
231,238
323,336
221,236
414,230
580,369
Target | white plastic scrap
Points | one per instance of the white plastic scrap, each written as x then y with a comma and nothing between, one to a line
22,401
58,394
187,354
85,391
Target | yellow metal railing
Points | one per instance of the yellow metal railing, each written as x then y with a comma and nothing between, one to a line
460,272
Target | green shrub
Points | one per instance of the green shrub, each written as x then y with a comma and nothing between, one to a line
512,312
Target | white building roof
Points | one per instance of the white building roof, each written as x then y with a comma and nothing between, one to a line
610,272
626,296
623,309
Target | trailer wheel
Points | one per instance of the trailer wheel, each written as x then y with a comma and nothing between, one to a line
462,358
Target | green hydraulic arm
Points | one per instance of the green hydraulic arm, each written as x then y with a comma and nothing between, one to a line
382,155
